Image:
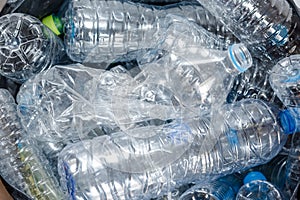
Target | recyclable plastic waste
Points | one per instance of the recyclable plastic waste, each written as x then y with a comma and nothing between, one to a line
269,28
21,163
88,170
98,30
26,47
257,187
224,188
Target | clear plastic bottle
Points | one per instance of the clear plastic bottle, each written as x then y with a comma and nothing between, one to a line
26,47
113,167
254,83
285,80
21,163
224,188
269,27
115,99
257,188
100,30
191,80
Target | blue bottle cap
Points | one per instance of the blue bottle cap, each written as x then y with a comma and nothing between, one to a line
240,57
288,121
253,176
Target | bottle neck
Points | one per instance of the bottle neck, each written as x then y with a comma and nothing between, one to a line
238,59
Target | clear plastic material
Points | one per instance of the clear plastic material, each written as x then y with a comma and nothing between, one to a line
248,135
75,99
100,30
21,163
26,47
221,189
293,166
258,190
267,26
285,80
254,83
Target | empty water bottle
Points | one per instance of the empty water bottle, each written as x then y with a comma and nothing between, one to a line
222,189
26,47
254,83
249,135
285,80
257,188
100,30
21,163
269,27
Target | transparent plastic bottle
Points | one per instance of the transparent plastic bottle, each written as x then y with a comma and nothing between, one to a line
224,188
115,99
21,163
190,80
254,83
249,135
256,188
100,30
285,80
269,27
26,47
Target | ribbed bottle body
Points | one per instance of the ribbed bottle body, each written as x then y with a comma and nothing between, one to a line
22,164
98,165
268,27
98,31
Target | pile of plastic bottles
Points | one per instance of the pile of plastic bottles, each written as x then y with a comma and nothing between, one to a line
150,99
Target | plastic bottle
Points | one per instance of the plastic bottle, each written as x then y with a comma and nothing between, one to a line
285,80
256,187
27,47
190,80
224,188
103,167
21,163
115,99
268,27
254,83
99,30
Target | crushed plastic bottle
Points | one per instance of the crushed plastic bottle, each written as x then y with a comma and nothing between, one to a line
26,47
21,163
285,80
88,170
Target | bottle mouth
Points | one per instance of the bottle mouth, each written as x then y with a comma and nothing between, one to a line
240,57
253,176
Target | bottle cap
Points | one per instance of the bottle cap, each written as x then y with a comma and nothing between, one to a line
240,57
288,121
54,23
253,176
